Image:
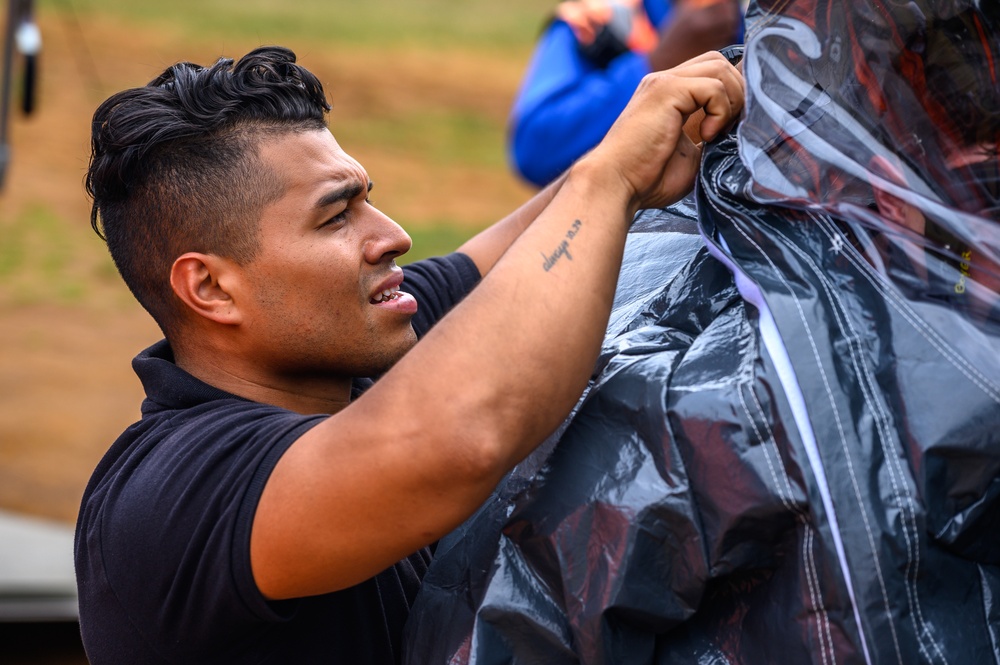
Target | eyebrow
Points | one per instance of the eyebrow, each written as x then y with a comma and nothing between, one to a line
344,193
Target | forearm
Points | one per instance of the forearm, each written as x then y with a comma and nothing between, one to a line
506,366
412,458
487,246
522,345
415,455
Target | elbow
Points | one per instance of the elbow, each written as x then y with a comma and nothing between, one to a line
481,459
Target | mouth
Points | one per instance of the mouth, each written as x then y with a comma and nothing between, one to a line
390,299
387,295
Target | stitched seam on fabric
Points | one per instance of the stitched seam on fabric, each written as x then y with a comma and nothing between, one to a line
826,384
900,304
895,466
766,438
815,594
812,578
843,440
869,390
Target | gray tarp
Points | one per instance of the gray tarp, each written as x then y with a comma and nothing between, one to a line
790,449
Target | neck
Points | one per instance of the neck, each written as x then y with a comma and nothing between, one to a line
305,395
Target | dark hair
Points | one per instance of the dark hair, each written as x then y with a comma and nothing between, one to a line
174,165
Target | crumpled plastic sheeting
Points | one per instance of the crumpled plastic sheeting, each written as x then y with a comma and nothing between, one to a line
790,448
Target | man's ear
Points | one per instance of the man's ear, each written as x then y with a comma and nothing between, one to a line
204,282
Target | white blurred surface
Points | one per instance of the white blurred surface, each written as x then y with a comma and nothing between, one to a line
37,581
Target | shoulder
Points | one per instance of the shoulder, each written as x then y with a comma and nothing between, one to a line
455,270
175,456
172,504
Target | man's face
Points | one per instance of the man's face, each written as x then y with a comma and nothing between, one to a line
315,306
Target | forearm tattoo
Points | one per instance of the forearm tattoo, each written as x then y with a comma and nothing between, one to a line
563,248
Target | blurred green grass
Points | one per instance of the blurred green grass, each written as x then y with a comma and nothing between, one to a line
40,262
48,253
438,136
467,24
421,90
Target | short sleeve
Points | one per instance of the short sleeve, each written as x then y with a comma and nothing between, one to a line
438,284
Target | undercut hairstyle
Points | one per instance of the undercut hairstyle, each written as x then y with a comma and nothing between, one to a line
175,165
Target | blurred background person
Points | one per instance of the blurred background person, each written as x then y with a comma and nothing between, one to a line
588,62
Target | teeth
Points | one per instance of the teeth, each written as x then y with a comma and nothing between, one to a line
388,294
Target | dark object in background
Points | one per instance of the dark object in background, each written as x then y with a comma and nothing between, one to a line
42,644
22,35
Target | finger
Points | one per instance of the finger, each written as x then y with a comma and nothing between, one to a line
720,110
708,99
677,177
707,56
709,95
692,128
714,65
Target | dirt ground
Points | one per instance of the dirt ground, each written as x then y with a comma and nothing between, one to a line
66,385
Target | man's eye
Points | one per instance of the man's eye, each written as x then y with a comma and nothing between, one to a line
339,218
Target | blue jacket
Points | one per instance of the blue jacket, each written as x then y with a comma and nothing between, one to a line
566,104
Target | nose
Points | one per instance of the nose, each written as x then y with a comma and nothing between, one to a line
387,239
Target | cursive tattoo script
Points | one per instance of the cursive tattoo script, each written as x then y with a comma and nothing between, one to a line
563,248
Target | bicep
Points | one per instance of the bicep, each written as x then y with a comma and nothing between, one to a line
356,494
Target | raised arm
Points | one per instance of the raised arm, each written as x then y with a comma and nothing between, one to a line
486,247
417,454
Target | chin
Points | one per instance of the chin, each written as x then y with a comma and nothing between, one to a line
403,349
393,355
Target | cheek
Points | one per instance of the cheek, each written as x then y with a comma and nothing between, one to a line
323,280
311,282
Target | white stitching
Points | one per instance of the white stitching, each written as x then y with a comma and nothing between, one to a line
826,384
869,390
896,466
812,577
809,563
892,297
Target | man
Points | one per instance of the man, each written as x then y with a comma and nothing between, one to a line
589,61
262,511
